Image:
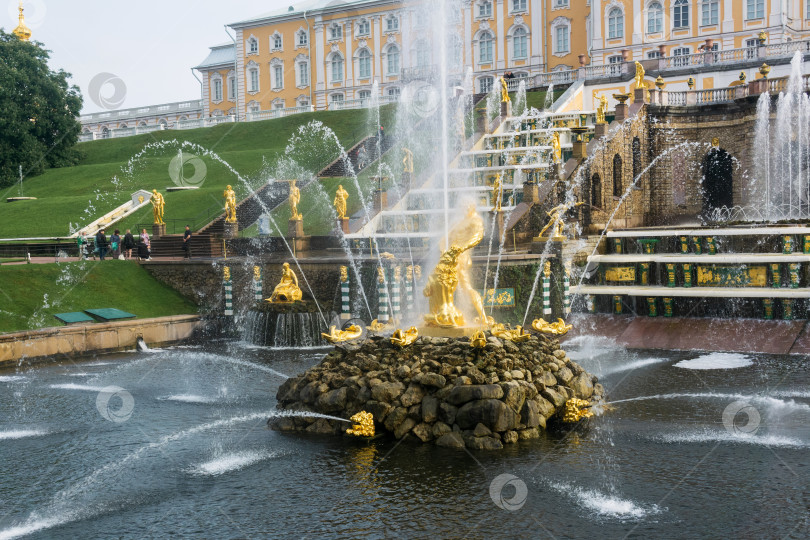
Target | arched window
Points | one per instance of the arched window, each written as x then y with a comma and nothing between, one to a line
655,18
615,23
710,12
680,15
337,67
364,64
302,39
364,95
617,175
485,9
253,45
636,158
253,78
596,191
422,54
485,48
363,27
216,89
392,60
231,87
520,44
485,84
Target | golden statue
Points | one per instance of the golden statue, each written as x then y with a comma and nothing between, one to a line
226,273
363,425
601,109
407,160
417,272
340,336
158,202
295,198
344,274
576,410
556,147
377,326
556,219
230,205
478,340
558,328
497,194
517,335
287,289
504,92
404,338
640,76
453,270
257,273
22,31
341,196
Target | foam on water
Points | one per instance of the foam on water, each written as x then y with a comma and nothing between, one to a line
771,403
638,364
773,441
717,361
12,378
30,528
231,462
83,387
21,434
189,398
605,504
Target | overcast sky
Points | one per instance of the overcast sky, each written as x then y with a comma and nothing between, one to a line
150,44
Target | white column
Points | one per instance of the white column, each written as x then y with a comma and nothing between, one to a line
347,34
320,59
499,14
538,36
205,94
598,20
241,89
728,15
638,29
775,18
378,72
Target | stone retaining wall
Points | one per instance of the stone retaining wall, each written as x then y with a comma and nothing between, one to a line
95,338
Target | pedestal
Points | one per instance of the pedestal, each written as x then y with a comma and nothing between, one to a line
295,228
230,230
158,230
600,130
579,149
640,95
621,112
406,181
531,193
481,121
499,220
343,225
380,200
506,109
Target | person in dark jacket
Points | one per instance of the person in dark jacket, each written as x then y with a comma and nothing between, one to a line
187,242
128,244
101,244
115,243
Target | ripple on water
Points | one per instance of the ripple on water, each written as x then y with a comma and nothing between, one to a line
83,387
717,361
231,462
12,378
189,398
21,434
736,437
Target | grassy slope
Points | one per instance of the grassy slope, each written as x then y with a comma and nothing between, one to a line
79,286
98,184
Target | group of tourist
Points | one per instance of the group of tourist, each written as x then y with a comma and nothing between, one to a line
116,246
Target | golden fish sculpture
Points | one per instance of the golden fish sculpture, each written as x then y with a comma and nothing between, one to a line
377,326
517,335
478,340
576,410
340,336
404,338
558,328
363,425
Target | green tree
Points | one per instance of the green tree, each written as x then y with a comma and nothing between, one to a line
38,111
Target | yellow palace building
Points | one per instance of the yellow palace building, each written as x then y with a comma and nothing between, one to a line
327,54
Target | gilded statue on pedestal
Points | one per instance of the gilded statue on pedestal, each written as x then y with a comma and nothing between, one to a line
517,335
287,289
341,196
601,109
504,91
497,194
230,205
452,271
402,338
295,198
556,219
556,147
158,202
640,76
341,336
363,425
407,160
576,410
558,328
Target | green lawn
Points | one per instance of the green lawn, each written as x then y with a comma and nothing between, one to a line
75,196
31,294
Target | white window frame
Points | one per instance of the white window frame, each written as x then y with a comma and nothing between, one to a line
277,76
679,7
561,4
521,34
336,58
480,12
363,27
557,47
336,98
302,73
216,88
392,68
392,23
486,83
253,79
231,86
422,55
655,18
754,10
394,91
615,21
706,13
653,55
486,37
335,32
364,95
681,51
301,39
273,45
519,6
364,64
252,45
615,64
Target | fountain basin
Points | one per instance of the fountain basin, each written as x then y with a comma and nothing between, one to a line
441,390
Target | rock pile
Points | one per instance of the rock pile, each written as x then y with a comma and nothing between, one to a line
440,390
